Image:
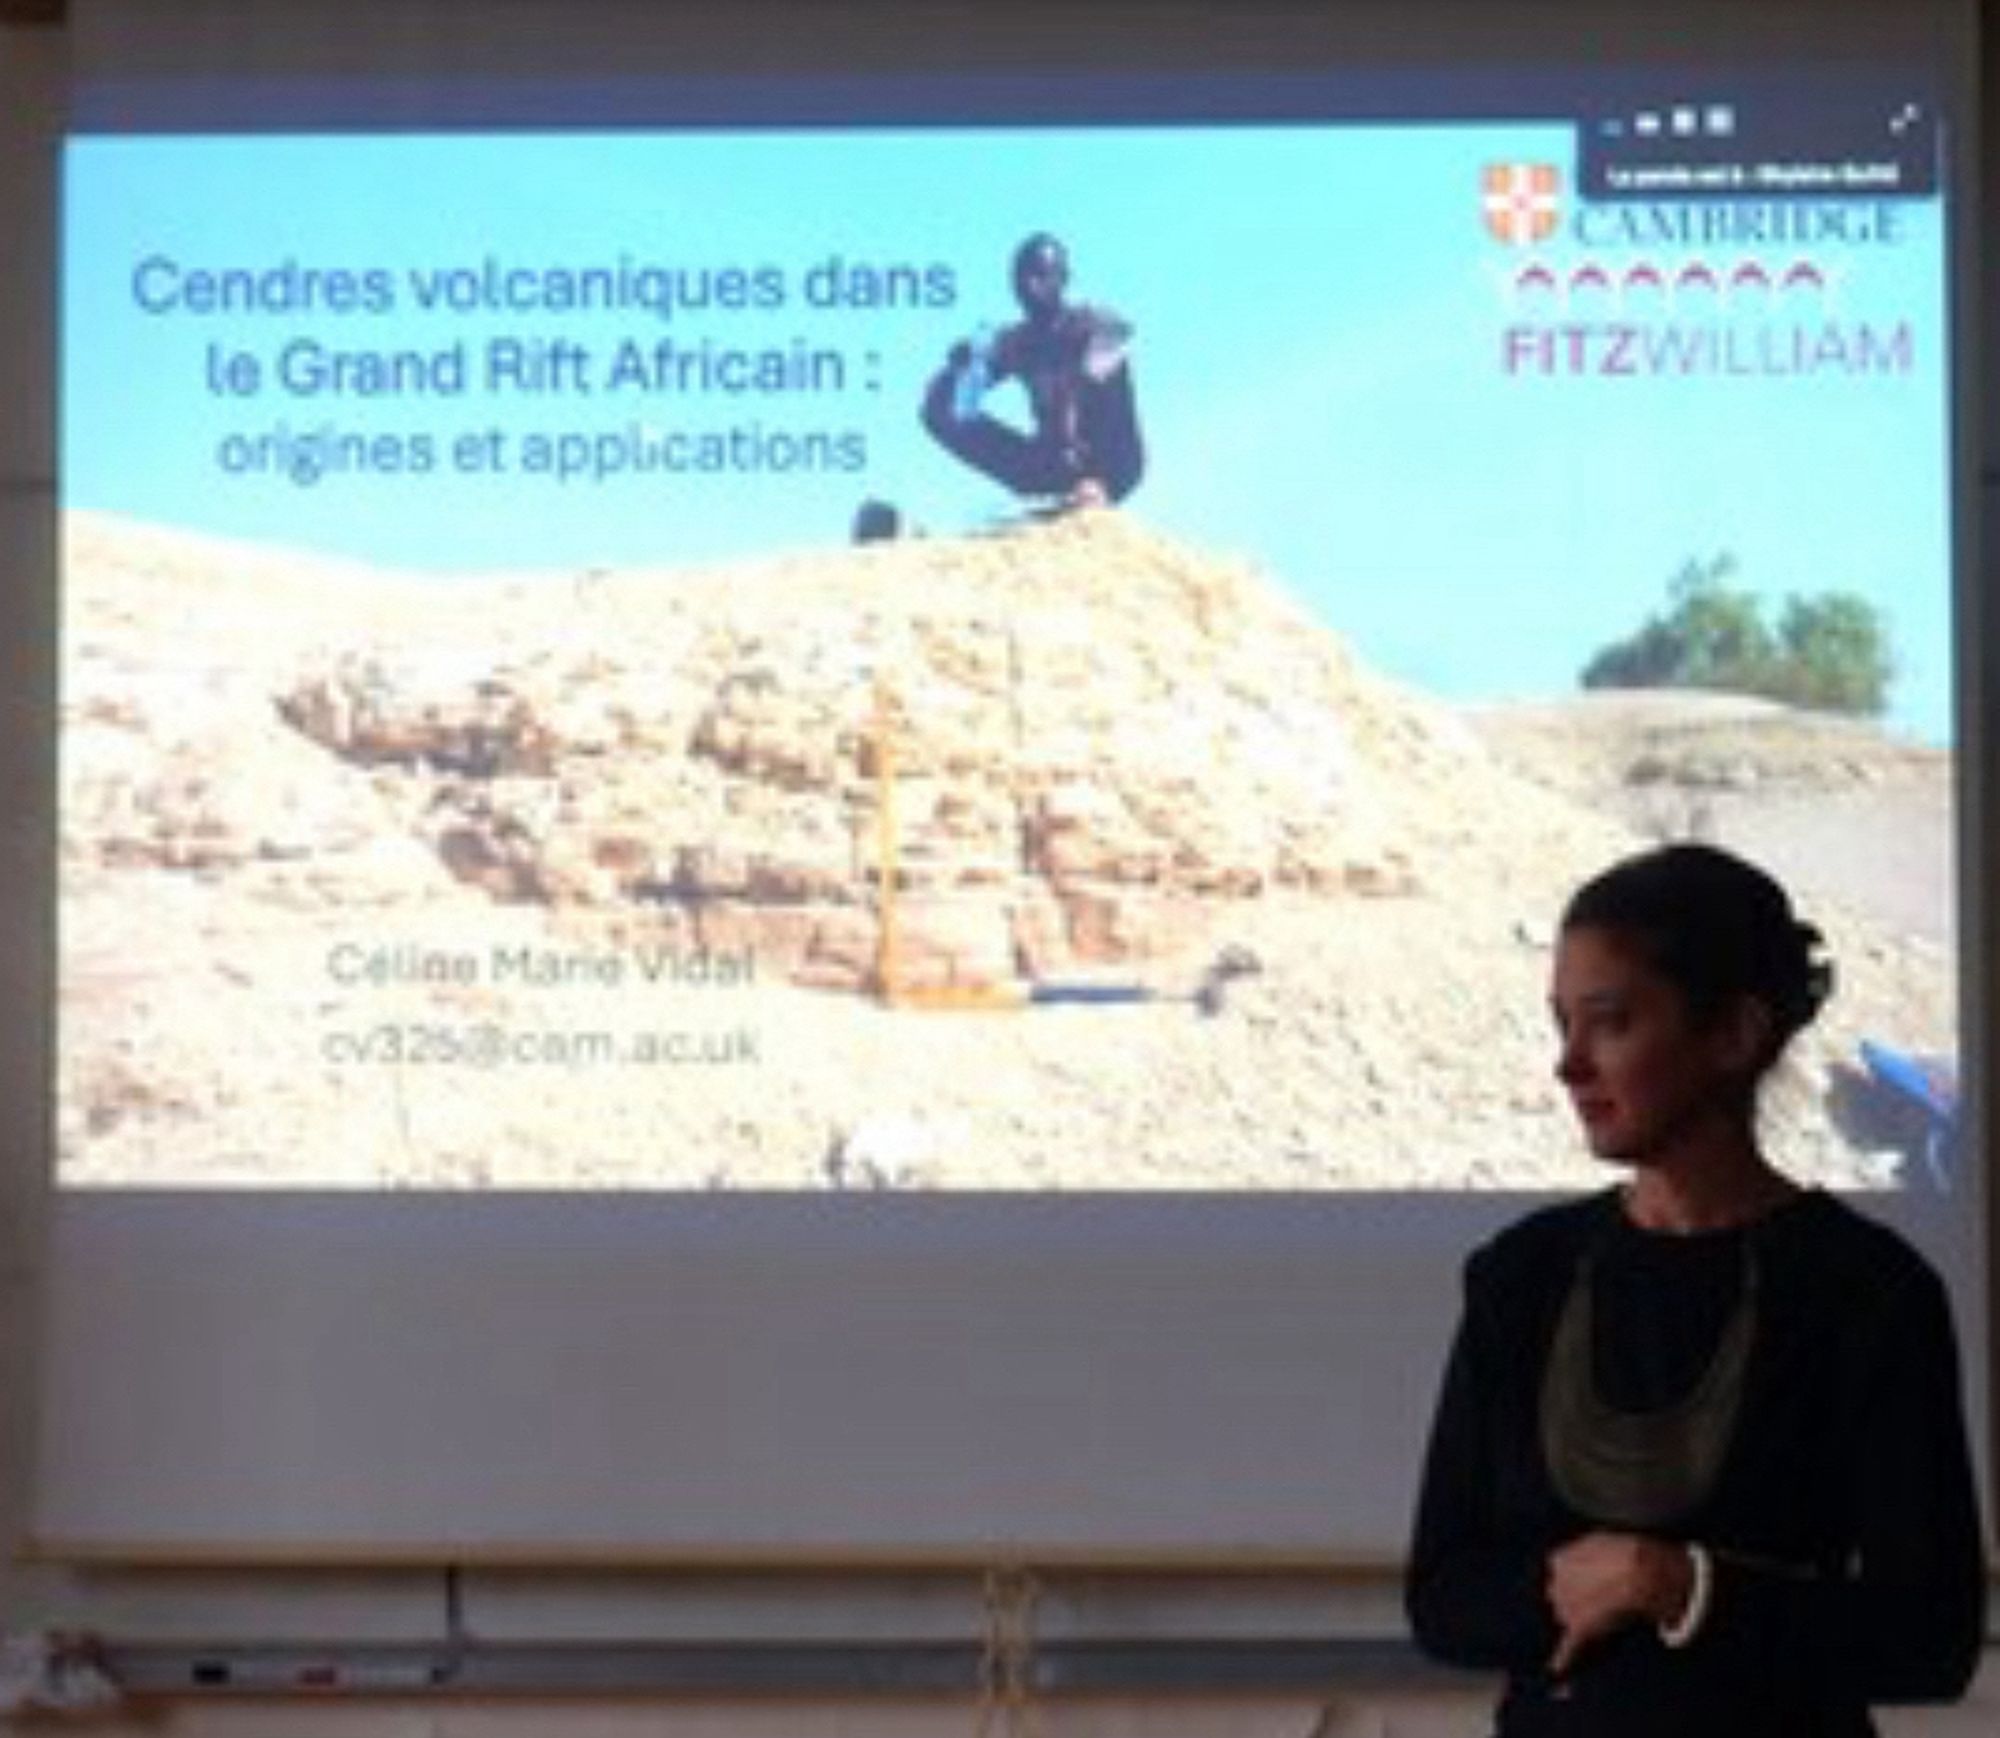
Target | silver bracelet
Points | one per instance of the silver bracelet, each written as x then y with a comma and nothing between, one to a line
1684,1628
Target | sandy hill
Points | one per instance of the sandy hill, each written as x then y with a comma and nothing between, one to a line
596,878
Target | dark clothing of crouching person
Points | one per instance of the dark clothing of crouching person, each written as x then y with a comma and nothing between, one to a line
1072,360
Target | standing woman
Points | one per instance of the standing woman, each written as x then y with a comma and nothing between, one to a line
1699,1464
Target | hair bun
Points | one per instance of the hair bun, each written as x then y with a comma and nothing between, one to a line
1815,976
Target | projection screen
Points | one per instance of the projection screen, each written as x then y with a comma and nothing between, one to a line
705,909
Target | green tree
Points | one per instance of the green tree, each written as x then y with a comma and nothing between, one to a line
1834,654
1828,652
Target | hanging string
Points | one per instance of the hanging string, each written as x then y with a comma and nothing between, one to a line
1007,1656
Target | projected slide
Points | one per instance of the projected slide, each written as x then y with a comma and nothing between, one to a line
1031,657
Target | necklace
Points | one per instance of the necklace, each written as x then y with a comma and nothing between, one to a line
1649,1468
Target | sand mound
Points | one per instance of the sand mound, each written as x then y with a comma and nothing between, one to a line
596,879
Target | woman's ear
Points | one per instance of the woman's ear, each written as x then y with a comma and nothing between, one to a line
1747,1032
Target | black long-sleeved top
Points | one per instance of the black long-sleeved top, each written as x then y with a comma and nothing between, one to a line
1849,1563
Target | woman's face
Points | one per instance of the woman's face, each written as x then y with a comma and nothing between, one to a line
1645,1077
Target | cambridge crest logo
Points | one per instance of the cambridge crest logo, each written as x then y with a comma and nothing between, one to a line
1521,201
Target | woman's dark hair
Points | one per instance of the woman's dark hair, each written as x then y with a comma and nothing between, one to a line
1714,926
